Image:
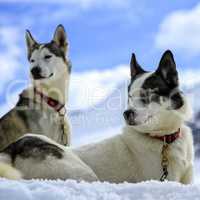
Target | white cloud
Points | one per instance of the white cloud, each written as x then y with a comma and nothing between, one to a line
10,54
181,30
189,78
89,88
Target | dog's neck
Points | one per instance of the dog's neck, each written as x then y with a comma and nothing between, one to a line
57,89
135,139
154,133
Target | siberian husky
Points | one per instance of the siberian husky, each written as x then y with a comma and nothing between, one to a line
154,144
41,107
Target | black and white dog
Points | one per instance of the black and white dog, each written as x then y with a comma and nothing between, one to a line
154,144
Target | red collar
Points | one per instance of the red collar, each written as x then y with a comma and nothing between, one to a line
169,138
56,105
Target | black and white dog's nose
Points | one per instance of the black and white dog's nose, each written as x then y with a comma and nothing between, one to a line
129,116
36,72
128,113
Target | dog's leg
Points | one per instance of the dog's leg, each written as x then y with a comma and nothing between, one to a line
188,176
6,168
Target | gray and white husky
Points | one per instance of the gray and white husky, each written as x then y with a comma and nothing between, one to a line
41,107
154,144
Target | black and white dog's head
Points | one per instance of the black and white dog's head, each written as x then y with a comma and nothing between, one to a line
48,60
155,102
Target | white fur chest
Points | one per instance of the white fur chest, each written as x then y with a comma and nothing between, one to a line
147,153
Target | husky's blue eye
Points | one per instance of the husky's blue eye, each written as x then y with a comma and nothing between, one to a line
47,57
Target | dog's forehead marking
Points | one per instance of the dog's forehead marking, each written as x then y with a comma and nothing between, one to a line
41,46
137,84
45,50
50,47
40,50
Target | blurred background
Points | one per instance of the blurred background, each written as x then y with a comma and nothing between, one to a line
102,35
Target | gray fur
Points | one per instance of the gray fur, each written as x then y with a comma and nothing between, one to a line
37,156
29,116
31,44
32,147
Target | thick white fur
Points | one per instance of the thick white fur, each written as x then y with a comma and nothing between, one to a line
134,156
9,172
69,167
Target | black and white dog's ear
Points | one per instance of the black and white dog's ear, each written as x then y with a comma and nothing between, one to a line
135,67
60,38
30,42
167,69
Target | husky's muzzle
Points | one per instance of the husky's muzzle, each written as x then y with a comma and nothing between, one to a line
36,73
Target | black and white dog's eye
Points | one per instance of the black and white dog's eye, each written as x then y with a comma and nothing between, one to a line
47,57
154,97
32,60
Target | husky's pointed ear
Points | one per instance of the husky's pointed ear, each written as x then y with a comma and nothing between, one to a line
30,43
60,38
167,69
135,67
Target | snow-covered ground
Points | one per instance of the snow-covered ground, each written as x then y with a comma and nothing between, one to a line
71,190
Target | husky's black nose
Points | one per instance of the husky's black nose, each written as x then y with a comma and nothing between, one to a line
129,116
36,72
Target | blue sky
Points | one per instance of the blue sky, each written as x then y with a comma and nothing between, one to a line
102,34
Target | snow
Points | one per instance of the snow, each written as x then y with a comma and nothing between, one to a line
64,190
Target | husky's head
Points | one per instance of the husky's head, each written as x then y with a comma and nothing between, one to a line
155,102
48,60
